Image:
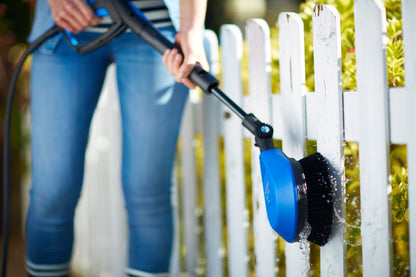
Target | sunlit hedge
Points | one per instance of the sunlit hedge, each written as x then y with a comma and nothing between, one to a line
398,178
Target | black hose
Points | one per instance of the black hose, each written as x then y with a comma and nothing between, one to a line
32,47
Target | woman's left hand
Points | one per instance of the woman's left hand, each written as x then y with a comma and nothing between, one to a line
191,45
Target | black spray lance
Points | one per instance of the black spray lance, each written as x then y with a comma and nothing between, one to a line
296,192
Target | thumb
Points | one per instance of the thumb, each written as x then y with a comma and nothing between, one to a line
185,69
189,63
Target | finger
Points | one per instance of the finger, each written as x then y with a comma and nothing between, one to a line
171,60
75,16
61,22
87,12
177,63
189,83
64,19
165,57
185,70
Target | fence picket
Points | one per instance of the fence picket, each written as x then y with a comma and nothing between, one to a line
327,55
258,39
370,23
211,179
175,263
232,52
409,24
292,87
374,116
189,191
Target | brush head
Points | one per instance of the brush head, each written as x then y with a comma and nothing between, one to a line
320,196
298,194
284,192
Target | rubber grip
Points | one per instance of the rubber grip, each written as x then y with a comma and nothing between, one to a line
203,79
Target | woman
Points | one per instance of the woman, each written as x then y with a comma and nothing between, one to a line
65,88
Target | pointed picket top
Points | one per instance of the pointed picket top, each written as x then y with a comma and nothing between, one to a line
232,53
291,110
292,53
328,89
292,84
258,39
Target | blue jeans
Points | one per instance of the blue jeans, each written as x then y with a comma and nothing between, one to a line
65,88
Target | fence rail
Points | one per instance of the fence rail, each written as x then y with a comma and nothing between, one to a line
374,115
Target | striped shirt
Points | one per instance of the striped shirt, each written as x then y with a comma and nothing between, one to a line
154,10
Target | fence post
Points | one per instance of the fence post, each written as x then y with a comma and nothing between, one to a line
232,52
370,25
409,23
327,57
292,86
258,39
211,182
189,191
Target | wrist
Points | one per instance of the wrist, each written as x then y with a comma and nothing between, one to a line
190,28
192,15
192,33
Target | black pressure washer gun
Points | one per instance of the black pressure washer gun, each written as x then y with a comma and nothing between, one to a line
296,192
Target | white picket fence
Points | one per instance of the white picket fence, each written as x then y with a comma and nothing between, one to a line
374,116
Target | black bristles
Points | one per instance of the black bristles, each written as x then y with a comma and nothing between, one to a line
320,195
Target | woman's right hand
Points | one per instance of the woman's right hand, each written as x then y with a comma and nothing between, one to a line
73,15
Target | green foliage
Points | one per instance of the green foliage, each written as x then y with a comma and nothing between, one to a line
395,74
395,71
399,210
353,215
345,8
395,51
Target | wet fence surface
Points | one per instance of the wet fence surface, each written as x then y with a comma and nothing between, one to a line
221,223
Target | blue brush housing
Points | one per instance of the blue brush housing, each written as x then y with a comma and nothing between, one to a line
280,184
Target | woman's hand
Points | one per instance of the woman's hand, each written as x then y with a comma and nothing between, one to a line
73,15
191,45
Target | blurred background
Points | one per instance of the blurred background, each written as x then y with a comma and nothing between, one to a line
15,22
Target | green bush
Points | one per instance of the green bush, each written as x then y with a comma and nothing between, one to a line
395,71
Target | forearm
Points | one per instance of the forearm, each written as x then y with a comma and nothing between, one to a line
192,14
189,41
